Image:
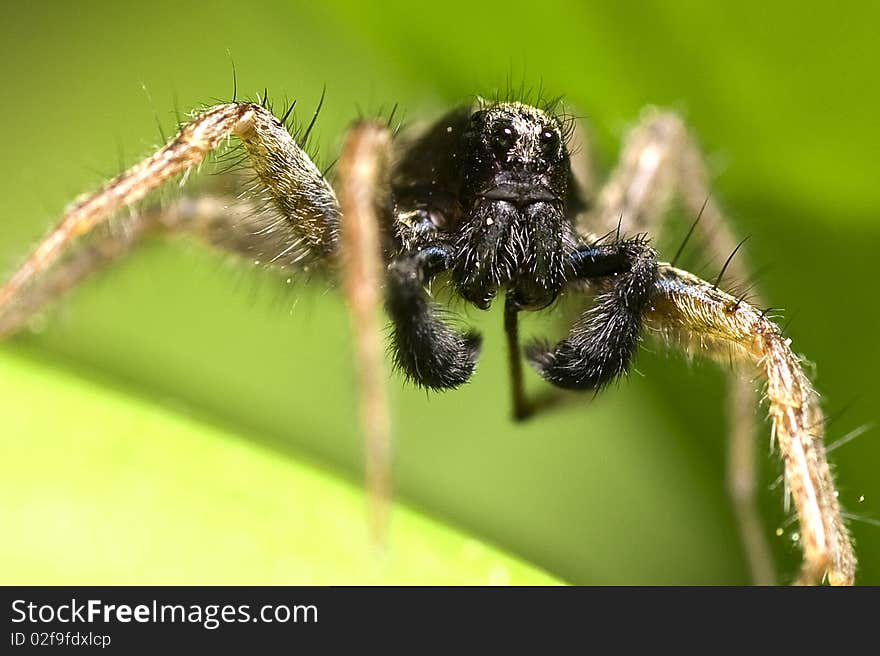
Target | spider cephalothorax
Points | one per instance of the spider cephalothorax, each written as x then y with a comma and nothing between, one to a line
515,231
506,224
491,196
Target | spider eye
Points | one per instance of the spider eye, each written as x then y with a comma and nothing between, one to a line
504,135
549,140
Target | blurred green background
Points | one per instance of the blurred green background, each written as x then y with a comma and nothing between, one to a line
253,381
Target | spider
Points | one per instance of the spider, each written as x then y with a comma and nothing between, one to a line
497,198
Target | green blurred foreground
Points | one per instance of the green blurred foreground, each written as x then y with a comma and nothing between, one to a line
115,498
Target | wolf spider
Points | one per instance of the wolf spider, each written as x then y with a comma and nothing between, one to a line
495,197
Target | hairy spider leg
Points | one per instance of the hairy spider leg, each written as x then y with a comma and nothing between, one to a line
299,225
231,224
425,347
659,160
719,242
364,169
602,343
695,316
293,181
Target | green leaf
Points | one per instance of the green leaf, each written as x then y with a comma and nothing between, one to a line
101,487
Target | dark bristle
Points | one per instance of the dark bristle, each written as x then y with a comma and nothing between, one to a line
690,232
329,167
391,116
234,77
787,324
305,136
287,114
727,263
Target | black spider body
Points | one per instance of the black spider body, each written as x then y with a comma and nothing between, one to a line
487,194
493,183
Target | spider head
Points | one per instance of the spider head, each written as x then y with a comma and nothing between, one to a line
517,153
516,169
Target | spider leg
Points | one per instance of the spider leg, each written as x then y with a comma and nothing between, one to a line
234,225
601,345
363,186
659,160
300,223
697,317
523,407
428,351
292,181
